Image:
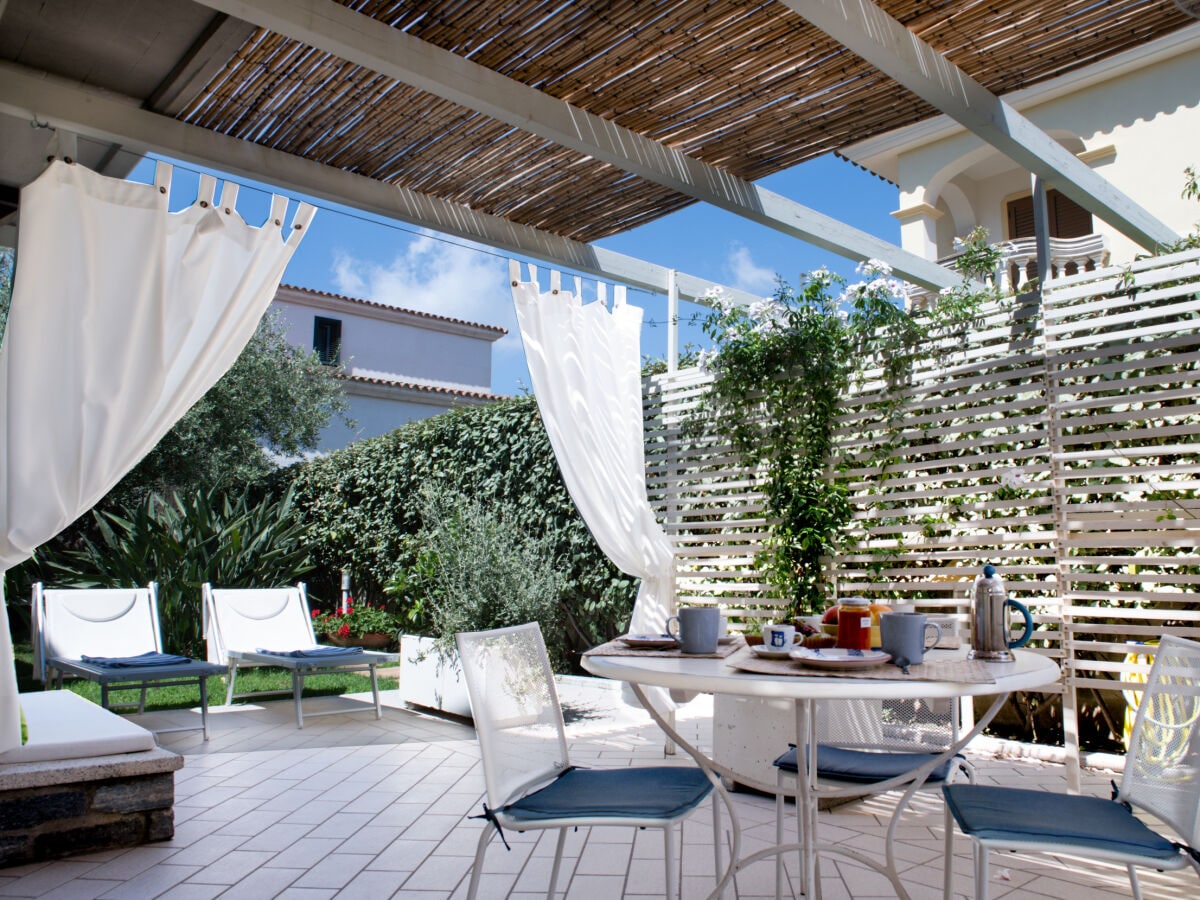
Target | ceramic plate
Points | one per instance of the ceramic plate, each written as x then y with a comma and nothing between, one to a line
769,653
649,641
835,658
727,639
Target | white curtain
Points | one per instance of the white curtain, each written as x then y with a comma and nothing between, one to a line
586,367
123,315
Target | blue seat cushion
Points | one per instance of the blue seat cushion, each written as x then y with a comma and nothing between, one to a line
318,652
864,767
143,661
1012,814
658,792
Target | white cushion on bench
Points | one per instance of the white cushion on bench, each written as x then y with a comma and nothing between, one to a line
63,725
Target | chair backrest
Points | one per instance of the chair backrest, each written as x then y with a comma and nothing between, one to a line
515,707
1162,767
250,619
71,622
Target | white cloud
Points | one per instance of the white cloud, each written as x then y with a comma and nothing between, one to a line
434,276
748,275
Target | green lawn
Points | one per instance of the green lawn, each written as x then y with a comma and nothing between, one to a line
249,681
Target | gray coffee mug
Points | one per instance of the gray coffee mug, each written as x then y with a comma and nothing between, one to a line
904,635
699,628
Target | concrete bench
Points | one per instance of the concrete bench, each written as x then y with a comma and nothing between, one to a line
87,780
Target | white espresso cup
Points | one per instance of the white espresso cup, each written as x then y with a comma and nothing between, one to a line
778,637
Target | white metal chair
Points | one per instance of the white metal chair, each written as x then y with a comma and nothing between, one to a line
1162,777
110,636
531,783
863,755
273,627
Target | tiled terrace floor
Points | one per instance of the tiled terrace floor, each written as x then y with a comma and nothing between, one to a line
350,807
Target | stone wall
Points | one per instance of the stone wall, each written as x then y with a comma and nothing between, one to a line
45,823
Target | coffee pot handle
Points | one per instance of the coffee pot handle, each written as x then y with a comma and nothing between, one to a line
1024,611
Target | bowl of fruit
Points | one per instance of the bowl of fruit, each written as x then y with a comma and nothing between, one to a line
812,635
829,621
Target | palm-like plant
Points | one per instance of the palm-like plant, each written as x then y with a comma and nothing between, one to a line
182,542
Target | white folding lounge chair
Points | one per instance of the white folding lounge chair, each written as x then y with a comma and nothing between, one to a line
110,636
273,627
1162,778
531,783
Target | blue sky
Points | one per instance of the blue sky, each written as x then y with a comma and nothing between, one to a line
347,252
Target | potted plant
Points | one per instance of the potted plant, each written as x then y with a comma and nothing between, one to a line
361,625
475,571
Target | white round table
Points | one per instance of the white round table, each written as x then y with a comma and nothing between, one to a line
1028,671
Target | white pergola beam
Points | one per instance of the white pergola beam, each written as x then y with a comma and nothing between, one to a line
31,95
869,32
357,38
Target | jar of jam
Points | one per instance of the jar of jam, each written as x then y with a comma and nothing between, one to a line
854,623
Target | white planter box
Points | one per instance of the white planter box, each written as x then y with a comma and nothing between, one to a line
430,680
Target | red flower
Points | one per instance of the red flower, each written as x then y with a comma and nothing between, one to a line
316,613
344,631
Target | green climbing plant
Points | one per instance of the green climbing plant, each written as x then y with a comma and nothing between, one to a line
782,368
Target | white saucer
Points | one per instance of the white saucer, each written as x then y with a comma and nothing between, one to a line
649,641
769,652
727,639
836,658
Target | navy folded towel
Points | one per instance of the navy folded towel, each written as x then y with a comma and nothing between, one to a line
313,652
136,662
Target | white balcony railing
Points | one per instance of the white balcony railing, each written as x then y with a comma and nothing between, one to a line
1018,265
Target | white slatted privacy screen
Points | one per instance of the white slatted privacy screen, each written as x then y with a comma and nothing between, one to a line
1059,441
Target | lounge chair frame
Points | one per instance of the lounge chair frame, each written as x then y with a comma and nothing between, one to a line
135,626
289,606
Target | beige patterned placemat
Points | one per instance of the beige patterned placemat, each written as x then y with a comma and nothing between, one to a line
967,671
616,648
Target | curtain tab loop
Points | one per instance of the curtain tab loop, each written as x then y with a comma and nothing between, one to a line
300,221
229,193
206,191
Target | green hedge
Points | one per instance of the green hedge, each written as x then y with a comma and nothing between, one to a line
361,511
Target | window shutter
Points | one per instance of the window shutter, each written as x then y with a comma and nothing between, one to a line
1067,218
1020,218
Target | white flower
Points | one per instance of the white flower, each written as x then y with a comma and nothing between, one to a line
760,309
821,276
715,296
1012,478
874,267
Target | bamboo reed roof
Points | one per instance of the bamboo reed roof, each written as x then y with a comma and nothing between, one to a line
747,86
